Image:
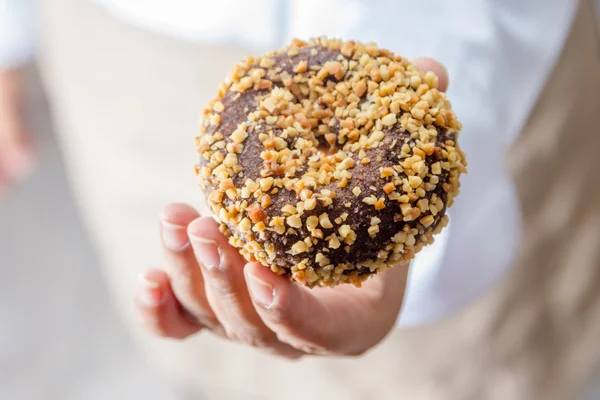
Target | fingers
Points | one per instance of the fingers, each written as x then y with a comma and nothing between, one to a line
343,320
226,291
158,309
17,154
207,279
16,149
186,277
429,64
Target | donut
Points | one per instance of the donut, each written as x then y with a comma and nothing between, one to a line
329,161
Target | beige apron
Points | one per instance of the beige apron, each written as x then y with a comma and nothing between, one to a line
122,105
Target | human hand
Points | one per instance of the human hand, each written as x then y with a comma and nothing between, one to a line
16,150
209,286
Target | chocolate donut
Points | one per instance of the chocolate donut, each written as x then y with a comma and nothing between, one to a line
329,161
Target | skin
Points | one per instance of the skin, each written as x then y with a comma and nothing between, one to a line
208,286
16,150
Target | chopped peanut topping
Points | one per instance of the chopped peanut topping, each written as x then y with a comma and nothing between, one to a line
256,213
389,120
226,184
389,188
294,221
299,247
334,242
414,181
266,201
325,222
245,225
427,221
373,230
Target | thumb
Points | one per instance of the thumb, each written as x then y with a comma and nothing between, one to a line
342,320
431,65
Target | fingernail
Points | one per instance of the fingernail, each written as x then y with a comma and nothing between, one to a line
207,251
149,295
262,292
174,236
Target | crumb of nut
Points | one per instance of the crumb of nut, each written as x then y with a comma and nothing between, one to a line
294,221
256,213
312,222
370,200
414,181
289,209
380,204
389,188
266,201
299,247
245,225
389,120
266,183
325,222
428,220
386,172
360,88
344,230
218,106
333,241
310,204
216,196
301,67
226,184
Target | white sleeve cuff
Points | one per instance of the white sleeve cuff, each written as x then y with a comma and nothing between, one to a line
16,32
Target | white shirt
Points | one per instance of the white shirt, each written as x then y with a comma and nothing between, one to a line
498,54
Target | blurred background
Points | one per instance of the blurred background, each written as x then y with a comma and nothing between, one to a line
61,338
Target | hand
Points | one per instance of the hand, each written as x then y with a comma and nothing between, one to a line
209,286
16,150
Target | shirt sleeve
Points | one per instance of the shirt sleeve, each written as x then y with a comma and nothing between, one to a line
16,32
